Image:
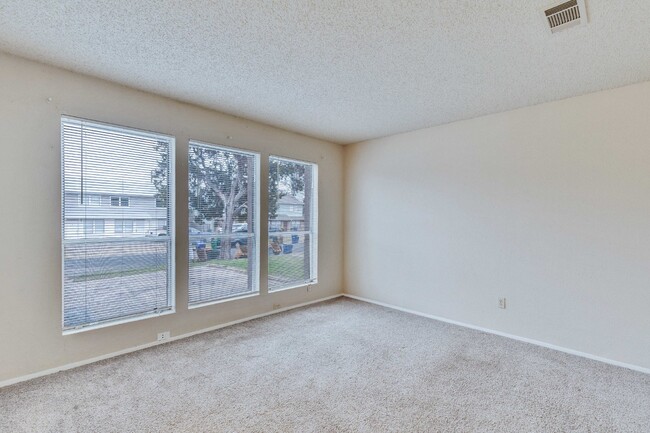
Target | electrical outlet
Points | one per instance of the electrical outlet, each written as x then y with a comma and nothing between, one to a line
502,303
162,336
276,306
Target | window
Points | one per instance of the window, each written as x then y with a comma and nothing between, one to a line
108,277
123,226
92,227
119,201
91,199
293,216
223,214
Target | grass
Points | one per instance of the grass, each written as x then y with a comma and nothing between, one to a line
287,266
284,266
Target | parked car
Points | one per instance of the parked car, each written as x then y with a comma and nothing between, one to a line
157,232
198,237
237,231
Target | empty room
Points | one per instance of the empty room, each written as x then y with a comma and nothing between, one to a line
325,216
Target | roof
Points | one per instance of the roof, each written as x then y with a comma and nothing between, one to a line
289,199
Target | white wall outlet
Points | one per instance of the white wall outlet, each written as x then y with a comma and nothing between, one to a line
162,336
502,303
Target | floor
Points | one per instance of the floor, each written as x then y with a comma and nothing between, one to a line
337,366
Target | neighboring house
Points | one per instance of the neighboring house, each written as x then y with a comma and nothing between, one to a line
290,206
289,215
113,215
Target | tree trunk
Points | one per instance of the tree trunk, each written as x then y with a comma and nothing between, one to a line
228,218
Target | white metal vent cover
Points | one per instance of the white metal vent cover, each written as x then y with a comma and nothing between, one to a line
565,15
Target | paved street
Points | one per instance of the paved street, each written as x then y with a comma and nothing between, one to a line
102,299
107,280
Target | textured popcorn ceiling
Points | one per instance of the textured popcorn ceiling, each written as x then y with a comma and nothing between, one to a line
344,71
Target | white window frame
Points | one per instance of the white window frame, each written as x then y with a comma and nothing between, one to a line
120,198
313,232
256,223
94,223
171,234
89,202
121,223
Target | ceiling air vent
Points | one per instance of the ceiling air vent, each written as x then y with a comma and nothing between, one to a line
566,15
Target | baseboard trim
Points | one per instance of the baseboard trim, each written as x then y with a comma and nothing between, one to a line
504,334
156,343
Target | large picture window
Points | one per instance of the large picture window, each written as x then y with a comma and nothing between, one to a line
223,218
292,224
111,272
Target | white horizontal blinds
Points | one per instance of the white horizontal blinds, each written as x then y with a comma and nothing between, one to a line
223,219
111,178
293,215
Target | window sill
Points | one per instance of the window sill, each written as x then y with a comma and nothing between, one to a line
116,322
221,301
297,286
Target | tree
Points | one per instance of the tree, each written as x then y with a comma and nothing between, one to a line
292,178
285,178
159,176
219,188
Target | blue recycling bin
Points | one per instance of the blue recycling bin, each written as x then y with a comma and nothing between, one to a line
287,249
295,239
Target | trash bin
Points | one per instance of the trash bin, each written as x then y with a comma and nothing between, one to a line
200,251
295,239
287,249
214,252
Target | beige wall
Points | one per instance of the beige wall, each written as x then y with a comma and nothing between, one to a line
548,206
30,210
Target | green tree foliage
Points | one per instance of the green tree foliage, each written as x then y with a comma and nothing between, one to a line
285,177
219,183
159,176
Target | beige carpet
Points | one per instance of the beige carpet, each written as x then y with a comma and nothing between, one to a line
338,366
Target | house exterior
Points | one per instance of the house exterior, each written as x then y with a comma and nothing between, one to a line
289,215
113,215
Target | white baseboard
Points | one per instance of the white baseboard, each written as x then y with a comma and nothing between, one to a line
154,343
504,334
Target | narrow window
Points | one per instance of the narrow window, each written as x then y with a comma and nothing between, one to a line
292,225
223,223
108,277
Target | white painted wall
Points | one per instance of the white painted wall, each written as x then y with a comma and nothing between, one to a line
547,205
30,211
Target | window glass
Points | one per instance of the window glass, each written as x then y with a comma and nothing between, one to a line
292,223
223,217
108,276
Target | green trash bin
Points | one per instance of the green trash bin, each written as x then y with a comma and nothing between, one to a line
214,252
